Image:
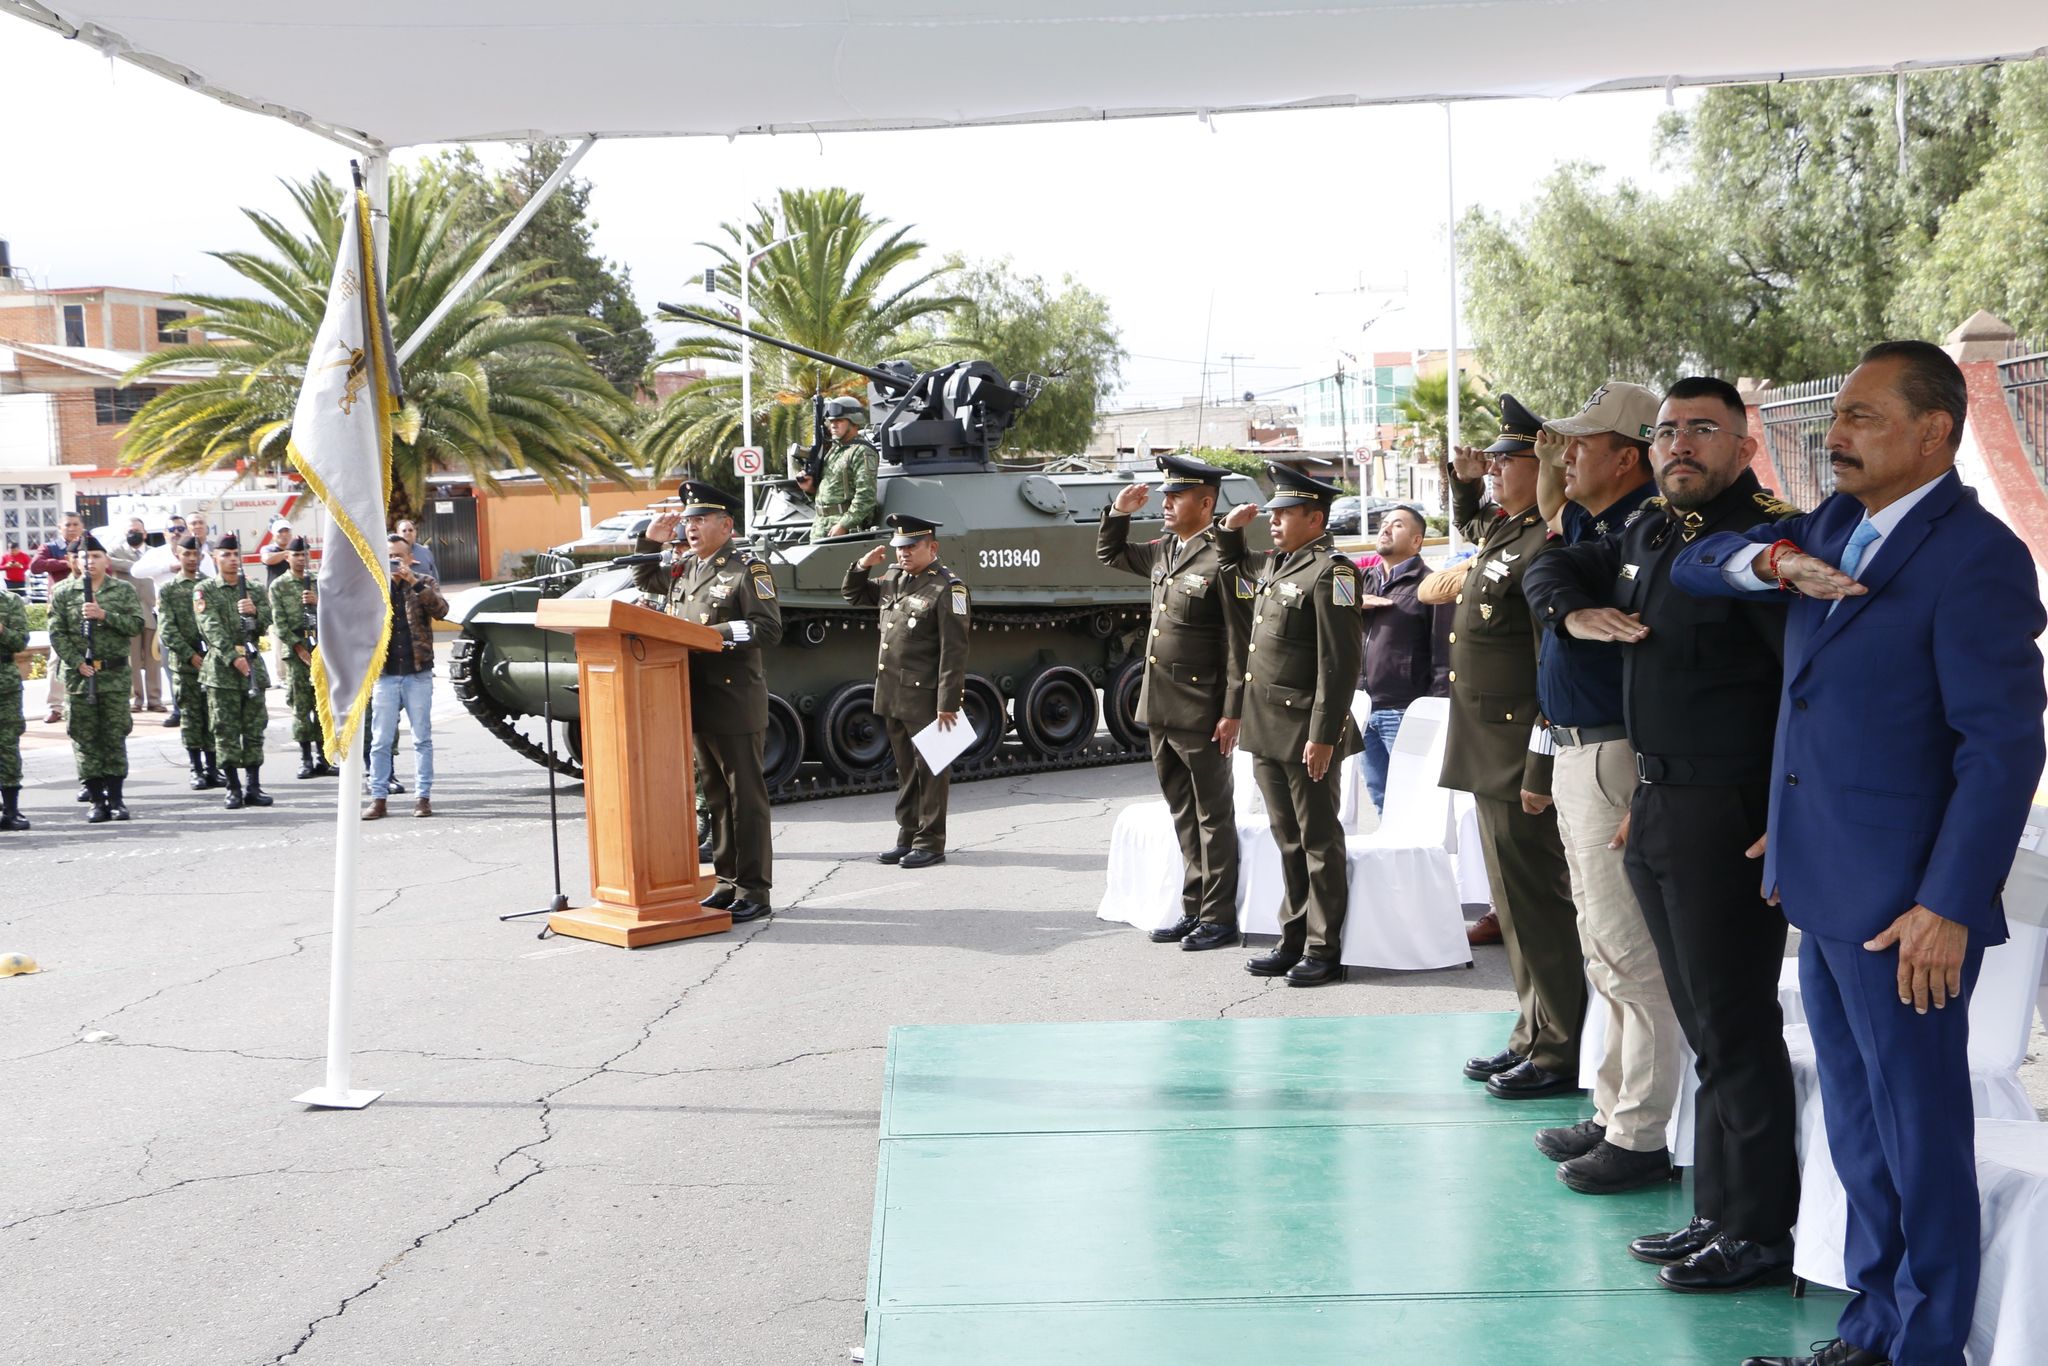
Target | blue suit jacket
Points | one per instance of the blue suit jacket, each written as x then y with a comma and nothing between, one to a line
1909,739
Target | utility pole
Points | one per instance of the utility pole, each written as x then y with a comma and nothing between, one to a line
1234,357
1343,423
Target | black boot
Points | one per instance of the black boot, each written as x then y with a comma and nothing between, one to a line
100,814
308,766
325,768
10,809
214,781
200,782
85,791
252,788
176,718
111,789
234,782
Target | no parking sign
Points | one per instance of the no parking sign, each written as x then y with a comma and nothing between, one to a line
748,462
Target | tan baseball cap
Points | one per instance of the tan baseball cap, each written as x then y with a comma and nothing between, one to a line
1629,410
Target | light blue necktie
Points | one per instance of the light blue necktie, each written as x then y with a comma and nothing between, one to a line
1859,541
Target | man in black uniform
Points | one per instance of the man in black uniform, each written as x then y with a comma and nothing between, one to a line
719,585
920,674
1700,680
1194,681
1301,668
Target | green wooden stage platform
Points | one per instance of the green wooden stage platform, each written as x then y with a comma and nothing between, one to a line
1212,1193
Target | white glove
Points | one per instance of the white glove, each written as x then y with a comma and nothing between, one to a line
741,633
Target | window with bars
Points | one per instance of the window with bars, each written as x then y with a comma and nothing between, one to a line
116,407
170,326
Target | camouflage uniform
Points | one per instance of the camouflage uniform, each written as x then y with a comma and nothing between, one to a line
13,640
288,611
237,717
178,632
846,489
98,726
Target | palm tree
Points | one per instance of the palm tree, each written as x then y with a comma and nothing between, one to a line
489,390
1425,412
845,285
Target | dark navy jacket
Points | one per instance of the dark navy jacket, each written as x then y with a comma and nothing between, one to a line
1909,740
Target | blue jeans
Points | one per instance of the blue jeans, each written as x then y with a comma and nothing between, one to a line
1380,729
412,694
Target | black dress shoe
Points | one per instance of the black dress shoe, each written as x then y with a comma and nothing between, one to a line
922,858
1177,931
743,911
719,899
1833,1352
1730,1263
1480,1069
1209,935
1576,1140
1662,1249
1527,1081
1609,1170
1314,972
893,855
174,720
1274,964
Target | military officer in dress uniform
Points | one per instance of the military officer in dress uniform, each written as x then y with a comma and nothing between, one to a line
13,640
1193,695
185,650
1700,686
233,614
846,482
294,609
1301,667
718,584
1498,751
920,673
92,639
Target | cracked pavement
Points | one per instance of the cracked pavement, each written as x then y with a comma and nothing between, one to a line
582,1154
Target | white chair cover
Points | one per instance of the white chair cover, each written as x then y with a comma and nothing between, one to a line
2010,1324
1405,910
1145,867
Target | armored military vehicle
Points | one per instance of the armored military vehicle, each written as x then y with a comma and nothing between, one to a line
1055,651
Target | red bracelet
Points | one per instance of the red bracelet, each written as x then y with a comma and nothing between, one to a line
1777,551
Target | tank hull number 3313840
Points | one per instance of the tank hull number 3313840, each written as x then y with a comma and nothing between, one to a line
1009,559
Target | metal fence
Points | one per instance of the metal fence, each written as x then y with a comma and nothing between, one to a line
2024,377
1795,426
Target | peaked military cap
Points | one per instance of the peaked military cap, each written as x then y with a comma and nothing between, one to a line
298,546
1185,472
229,541
1292,488
700,498
848,408
1518,429
910,530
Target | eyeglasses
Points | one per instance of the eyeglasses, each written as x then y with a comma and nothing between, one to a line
1698,432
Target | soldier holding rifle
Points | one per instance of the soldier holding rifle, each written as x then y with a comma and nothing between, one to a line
93,617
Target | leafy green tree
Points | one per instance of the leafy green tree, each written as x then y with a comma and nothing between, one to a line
1588,285
1992,250
1426,415
491,388
1023,328
848,285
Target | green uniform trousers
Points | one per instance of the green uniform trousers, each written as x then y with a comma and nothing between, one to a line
1303,815
1194,777
237,720
921,795
194,729
10,725
99,725
736,795
1539,925
298,695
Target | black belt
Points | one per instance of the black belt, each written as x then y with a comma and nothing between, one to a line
1572,737
1711,771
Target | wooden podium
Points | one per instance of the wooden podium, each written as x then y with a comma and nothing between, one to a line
639,790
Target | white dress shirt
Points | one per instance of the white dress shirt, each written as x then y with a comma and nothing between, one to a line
1741,573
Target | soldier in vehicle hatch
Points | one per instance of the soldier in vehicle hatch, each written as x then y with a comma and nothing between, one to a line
846,486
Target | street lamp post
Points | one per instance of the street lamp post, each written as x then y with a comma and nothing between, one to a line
747,362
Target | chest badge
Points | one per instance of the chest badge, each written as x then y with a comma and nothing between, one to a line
1486,611
1628,571
1500,566
1290,593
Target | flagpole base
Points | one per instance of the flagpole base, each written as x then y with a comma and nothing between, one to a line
321,1098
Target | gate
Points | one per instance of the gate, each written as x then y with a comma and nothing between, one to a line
448,528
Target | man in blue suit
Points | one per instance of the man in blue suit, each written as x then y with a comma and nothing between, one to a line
1909,747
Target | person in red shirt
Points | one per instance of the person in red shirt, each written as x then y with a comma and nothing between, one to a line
14,567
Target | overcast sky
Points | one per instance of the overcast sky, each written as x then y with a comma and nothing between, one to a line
1239,239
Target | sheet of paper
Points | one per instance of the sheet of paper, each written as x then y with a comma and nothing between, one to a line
939,748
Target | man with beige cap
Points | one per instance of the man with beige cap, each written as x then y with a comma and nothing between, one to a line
1594,479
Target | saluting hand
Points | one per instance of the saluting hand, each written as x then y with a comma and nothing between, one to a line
875,556
1131,497
1816,578
1240,517
1550,448
1468,464
663,527
1606,623
1931,949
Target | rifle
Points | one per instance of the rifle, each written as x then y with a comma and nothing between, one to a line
92,680
249,639
312,625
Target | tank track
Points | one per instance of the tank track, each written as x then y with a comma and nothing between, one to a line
1011,760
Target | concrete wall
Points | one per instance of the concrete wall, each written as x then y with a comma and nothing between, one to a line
523,519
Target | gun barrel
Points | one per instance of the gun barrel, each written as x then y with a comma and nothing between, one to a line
894,383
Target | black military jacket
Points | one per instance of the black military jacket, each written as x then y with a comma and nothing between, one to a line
728,690
1301,664
1201,620
1700,692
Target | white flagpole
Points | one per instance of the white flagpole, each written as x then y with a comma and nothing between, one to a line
348,828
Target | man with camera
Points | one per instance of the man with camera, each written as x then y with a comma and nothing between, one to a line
406,684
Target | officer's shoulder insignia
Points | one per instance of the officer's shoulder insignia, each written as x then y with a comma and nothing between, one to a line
1777,507
1530,520
764,579
1654,503
1244,587
959,596
1630,520
1344,584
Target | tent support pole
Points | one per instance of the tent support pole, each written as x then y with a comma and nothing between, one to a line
497,248
1453,375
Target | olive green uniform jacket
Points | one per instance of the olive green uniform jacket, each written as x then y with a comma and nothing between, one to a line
728,690
1201,622
921,667
1494,643
1301,665
846,489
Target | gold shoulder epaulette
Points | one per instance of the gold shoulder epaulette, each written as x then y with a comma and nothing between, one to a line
1779,509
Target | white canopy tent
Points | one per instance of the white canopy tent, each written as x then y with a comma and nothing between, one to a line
379,74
